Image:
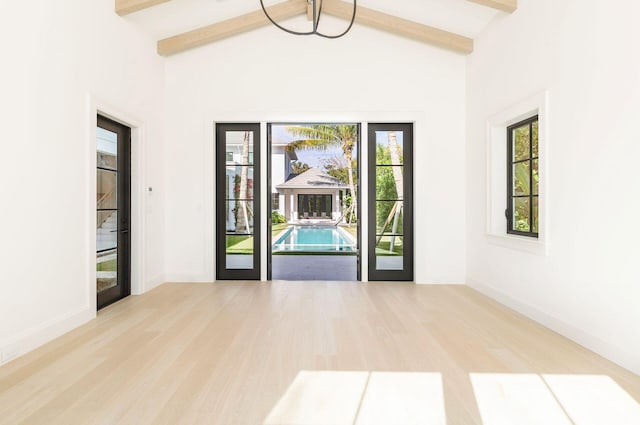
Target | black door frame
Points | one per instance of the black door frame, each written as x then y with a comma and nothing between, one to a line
407,273
222,272
123,287
357,185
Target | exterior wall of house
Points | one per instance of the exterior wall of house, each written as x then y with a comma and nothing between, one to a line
280,169
584,283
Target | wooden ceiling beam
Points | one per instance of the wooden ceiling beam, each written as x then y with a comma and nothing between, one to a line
399,26
230,27
508,6
125,7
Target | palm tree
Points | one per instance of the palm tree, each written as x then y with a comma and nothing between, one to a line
394,153
243,222
323,136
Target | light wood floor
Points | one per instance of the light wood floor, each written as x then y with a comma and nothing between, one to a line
226,353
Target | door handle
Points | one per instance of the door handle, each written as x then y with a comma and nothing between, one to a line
124,231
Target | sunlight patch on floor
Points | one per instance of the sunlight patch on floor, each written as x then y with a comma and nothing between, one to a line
594,399
523,399
406,398
362,398
320,398
550,399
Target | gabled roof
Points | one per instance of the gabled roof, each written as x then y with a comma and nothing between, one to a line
313,178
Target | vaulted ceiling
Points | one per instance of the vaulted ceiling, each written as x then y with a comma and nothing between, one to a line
179,25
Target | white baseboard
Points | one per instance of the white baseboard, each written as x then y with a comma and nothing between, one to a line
187,278
609,351
43,333
154,282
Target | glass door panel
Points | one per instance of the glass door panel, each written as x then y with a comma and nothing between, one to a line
390,202
238,200
113,172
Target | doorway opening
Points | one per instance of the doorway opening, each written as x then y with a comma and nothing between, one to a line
313,180
113,211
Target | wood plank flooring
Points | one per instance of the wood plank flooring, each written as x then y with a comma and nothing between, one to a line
226,353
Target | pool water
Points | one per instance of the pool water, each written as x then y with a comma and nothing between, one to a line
314,238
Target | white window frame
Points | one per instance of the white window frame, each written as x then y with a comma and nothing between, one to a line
496,145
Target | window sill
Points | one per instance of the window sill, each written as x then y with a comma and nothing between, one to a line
520,243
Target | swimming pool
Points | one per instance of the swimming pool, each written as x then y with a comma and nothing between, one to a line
314,238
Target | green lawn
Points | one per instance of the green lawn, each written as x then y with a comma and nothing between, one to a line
277,228
352,229
382,247
107,266
239,244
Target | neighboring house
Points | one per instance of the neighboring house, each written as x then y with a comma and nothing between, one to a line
235,140
281,171
312,194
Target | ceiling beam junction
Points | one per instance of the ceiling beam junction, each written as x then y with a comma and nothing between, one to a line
125,7
508,6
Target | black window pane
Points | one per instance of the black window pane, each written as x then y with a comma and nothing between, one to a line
389,147
239,182
534,138
521,178
534,218
521,142
239,147
389,180
389,217
521,220
534,174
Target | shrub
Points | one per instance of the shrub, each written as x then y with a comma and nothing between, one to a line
277,218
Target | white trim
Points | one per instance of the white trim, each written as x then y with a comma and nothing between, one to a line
97,106
627,360
364,200
264,201
263,117
43,333
209,206
496,148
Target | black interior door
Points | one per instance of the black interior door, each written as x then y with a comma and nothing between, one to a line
238,201
113,211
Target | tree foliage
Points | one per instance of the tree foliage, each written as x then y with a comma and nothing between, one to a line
385,184
298,167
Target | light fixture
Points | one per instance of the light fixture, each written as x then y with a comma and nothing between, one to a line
317,13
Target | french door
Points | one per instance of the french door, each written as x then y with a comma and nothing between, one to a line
113,211
238,201
390,193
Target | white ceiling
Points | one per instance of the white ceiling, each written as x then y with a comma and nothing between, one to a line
176,16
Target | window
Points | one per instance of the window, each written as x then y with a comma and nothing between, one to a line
237,188
275,201
390,201
229,156
315,206
522,178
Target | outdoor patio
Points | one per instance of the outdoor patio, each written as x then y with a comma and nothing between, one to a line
314,267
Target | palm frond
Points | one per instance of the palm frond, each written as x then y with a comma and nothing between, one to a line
310,144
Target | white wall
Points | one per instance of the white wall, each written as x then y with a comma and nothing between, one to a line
365,74
55,56
585,55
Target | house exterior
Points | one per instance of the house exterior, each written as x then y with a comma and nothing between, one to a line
281,170
313,194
